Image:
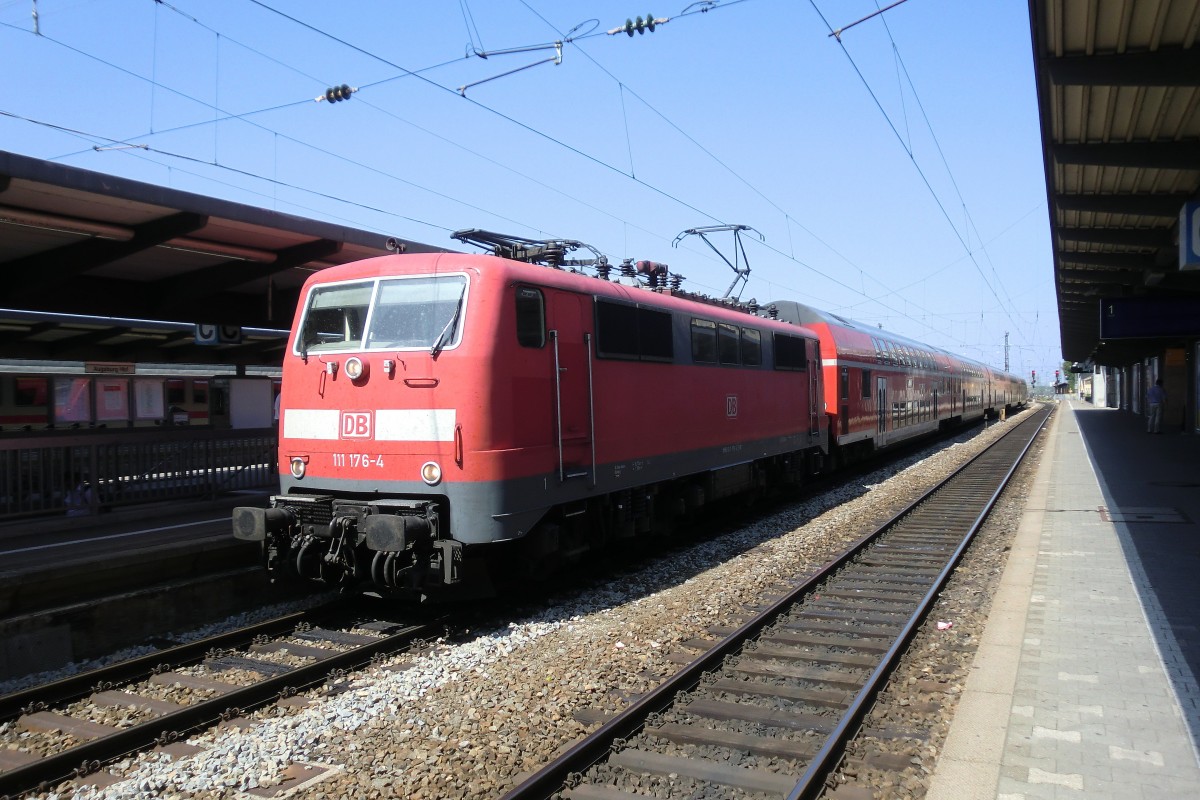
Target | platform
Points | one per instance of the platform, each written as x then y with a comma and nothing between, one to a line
54,561
1085,683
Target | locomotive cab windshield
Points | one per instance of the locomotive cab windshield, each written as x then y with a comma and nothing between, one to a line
404,313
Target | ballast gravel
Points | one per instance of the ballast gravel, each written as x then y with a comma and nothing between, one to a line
473,718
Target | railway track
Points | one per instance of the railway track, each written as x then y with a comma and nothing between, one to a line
158,698
768,710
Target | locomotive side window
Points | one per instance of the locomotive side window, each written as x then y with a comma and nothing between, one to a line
616,330
656,341
704,341
727,343
751,347
789,352
531,317
624,330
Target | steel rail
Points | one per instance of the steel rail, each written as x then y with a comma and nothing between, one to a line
811,782
89,756
551,778
75,686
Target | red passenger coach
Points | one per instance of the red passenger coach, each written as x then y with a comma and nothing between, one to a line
881,388
447,416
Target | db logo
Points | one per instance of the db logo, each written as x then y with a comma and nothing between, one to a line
356,424
731,405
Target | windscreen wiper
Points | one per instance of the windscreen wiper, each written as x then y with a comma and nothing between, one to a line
440,342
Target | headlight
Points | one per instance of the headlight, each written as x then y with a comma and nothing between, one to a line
431,473
297,468
356,368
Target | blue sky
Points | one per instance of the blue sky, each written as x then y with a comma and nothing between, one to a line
896,177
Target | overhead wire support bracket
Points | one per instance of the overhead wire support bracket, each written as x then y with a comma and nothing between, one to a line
741,273
556,59
838,33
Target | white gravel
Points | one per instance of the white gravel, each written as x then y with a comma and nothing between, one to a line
471,719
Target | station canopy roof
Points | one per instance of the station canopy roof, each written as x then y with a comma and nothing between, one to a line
1119,100
93,266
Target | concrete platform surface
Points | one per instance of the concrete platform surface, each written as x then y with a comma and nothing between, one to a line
1085,683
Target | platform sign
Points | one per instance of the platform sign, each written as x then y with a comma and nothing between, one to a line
1189,236
1149,317
208,334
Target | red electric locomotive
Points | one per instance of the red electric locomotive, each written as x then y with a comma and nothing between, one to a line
881,388
445,413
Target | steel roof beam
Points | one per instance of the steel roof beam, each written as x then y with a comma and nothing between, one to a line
1124,237
1101,276
1129,261
73,343
1144,155
45,271
1141,205
182,289
1157,68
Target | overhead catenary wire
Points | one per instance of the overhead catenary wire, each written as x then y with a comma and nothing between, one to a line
415,74
925,179
819,272
730,170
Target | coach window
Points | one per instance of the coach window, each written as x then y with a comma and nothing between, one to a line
790,352
727,343
704,341
845,382
531,317
866,384
751,347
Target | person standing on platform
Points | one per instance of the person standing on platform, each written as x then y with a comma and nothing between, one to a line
1155,398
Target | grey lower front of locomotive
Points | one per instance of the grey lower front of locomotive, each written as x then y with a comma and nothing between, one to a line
409,538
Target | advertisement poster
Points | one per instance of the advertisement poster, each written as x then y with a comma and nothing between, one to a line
112,399
148,398
72,400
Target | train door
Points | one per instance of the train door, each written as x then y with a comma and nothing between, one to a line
844,402
571,353
815,402
881,425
